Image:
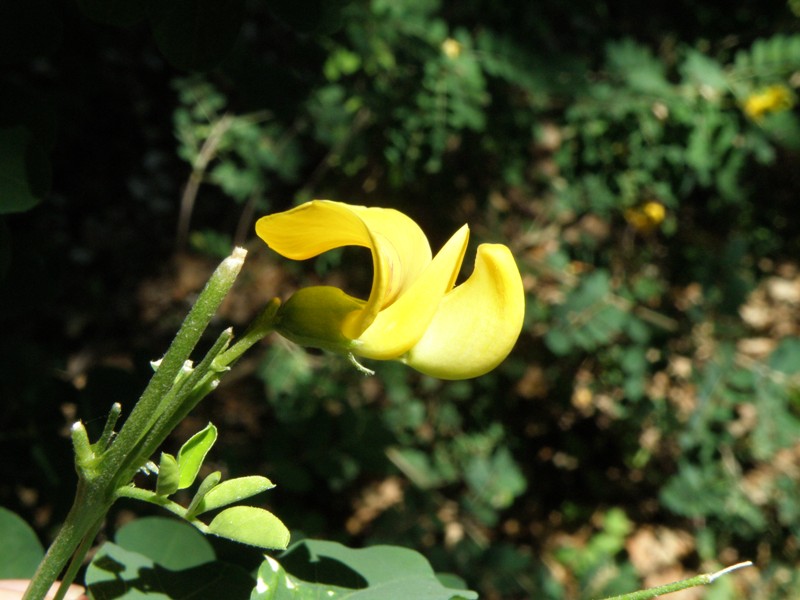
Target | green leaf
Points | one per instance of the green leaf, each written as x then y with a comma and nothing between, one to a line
252,526
206,486
777,427
786,357
559,342
587,318
274,583
233,490
704,72
168,475
636,64
193,453
375,573
497,480
20,549
416,465
784,128
179,545
117,573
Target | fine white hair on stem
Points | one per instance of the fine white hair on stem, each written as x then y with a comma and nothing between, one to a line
726,570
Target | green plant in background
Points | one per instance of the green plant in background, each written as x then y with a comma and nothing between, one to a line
243,155
431,79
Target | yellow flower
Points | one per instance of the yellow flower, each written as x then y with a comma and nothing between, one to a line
451,48
647,217
775,98
414,313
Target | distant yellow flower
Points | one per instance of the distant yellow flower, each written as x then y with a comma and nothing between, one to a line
452,48
647,217
414,312
775,98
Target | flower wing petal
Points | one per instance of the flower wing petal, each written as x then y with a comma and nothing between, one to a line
401,241
400,250
477,323
398,327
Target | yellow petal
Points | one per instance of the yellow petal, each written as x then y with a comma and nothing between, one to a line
478,322
397,328
400,250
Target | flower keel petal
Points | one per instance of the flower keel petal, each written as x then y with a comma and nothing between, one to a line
477,323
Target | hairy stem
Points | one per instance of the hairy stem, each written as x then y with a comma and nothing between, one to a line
103,468
677,586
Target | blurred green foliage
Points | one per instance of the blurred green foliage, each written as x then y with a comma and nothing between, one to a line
641,163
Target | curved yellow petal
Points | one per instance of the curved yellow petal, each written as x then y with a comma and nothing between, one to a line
398,327
478,322
313,228
401,240
400,250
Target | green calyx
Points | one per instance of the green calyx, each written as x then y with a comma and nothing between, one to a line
314,316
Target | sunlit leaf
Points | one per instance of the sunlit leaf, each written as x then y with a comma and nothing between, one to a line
168,475
193,453
274,583
233,490
252,526
207,485
374,573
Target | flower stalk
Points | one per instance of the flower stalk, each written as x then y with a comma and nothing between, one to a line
684,584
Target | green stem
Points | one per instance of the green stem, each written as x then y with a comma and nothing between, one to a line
677,586
89,508
130,491
108,430
181,399
103,470
77,560
206,377
135,493
149,406
262,325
